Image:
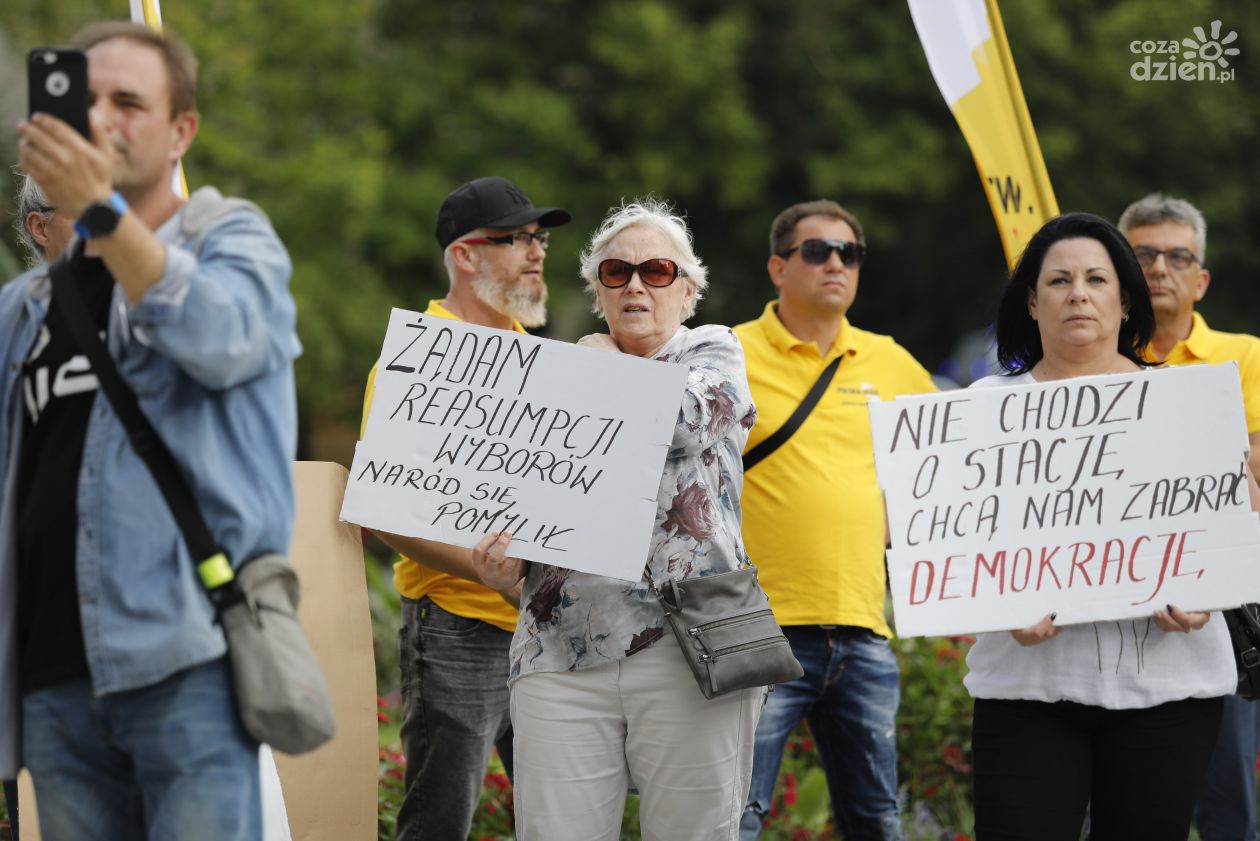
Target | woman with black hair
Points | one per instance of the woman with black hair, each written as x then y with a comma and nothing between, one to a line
1119,717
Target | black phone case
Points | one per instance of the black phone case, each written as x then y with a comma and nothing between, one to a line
58,85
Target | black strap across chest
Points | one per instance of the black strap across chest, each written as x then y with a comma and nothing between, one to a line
780,436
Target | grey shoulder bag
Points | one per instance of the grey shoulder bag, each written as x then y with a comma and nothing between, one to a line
727,632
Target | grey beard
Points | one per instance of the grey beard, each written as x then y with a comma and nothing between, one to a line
513,300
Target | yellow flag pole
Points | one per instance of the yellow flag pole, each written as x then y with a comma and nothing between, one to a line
149,12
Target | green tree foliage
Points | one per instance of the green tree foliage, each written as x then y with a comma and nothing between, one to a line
349,121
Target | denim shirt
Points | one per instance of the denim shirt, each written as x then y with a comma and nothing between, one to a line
209,352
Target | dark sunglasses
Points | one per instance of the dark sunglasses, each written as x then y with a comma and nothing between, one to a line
1176,258
818,251
658,272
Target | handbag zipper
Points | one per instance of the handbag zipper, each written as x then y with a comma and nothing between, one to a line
734,620
743,646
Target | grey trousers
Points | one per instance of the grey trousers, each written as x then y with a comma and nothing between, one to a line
582,737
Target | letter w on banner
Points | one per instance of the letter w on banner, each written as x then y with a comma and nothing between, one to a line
971,61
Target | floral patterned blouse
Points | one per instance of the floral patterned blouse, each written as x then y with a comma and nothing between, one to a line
576,620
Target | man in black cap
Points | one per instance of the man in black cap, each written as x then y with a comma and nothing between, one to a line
456,632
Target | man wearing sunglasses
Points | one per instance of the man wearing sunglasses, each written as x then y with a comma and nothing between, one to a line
456,632
814,520
1169,239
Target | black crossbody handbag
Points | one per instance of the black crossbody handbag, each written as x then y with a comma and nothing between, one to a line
1244,634
281,695
723,623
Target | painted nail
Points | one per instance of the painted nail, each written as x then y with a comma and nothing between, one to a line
1170,608
1054,616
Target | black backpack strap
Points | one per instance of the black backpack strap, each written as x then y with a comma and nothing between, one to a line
213,567
780,436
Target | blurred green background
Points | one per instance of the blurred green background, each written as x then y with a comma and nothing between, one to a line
350,120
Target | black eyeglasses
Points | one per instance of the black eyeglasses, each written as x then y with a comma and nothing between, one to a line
519,239
1176,258
818,251
658,272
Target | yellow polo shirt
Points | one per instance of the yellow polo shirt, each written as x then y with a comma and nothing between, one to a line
415,580
813,516
1207,345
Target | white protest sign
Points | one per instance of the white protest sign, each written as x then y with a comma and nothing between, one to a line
1095,498
473,430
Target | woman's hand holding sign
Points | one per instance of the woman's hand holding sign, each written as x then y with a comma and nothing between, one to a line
496,570
1033,634
1185,621
1170,619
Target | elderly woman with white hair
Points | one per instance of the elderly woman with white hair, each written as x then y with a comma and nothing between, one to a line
601,695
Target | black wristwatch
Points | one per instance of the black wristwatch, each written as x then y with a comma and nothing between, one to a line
101,219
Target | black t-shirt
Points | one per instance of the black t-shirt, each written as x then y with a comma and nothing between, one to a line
58,388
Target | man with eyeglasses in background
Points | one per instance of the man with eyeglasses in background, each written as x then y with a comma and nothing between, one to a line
814,519
1169,239
453,646
43,232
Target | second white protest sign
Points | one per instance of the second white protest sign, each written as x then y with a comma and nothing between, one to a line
1095,498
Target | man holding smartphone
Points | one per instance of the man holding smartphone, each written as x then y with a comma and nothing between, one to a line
114,690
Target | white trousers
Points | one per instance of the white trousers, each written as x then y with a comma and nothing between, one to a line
581,738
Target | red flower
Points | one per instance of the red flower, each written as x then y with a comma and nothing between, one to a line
491,808
382,718
929,792
961,836
789,797
394,773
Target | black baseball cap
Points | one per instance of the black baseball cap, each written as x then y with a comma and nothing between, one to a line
491,203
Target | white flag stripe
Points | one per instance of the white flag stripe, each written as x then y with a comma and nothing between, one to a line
950,31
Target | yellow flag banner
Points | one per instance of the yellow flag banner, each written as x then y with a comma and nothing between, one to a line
147,11
970,59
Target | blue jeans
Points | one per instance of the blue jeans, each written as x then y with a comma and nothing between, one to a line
1227,799
167,762
849,697
455,709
